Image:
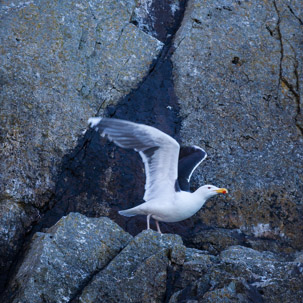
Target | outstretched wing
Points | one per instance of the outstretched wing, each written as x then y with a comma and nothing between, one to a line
159,151
189,159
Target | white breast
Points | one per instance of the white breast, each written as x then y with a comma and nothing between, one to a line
185,205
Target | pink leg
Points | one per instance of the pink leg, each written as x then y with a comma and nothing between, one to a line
158,227
148,218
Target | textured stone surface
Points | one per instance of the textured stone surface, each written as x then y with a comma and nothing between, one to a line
137,274
14,223
237,67
216,239
277,280
64,258
239,274
60,63
85,260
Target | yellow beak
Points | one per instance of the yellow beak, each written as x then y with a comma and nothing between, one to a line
222,191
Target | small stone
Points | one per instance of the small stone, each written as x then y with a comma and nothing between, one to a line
178,254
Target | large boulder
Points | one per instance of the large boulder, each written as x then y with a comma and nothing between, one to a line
60,261
236,69
137,274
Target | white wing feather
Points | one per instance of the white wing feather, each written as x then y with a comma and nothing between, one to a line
159,152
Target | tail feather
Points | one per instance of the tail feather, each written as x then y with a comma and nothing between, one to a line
127,212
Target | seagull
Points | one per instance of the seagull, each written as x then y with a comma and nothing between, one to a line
168,170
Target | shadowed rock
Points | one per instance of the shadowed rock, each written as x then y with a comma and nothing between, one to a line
239,274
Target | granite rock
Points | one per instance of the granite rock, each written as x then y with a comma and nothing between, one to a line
85,260
60,63
137,274
238,274
236,69
60,261
14,225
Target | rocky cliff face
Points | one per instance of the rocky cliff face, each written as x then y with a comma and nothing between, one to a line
224,75
84,259
239,92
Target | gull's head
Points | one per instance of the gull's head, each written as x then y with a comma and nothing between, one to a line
208,191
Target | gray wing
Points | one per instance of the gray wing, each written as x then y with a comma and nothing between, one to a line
159,151
189,159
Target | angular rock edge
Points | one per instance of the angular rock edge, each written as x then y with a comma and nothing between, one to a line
83,259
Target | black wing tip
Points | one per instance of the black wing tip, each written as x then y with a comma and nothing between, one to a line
198,148
189,150
189,159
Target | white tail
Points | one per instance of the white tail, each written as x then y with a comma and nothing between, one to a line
127,213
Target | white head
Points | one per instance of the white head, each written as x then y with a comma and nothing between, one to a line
207,191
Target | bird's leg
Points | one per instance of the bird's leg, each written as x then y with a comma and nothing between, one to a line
158,227
148,218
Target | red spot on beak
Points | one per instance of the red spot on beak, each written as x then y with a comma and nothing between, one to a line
222,191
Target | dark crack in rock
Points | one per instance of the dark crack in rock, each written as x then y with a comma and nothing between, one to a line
158,18
98,178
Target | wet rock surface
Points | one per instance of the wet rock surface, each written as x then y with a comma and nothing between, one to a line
97,178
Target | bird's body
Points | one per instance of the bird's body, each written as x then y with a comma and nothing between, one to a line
169,208
168,170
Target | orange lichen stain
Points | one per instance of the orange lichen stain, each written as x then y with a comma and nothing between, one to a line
284,87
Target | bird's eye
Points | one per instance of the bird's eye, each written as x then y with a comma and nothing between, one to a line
209,187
